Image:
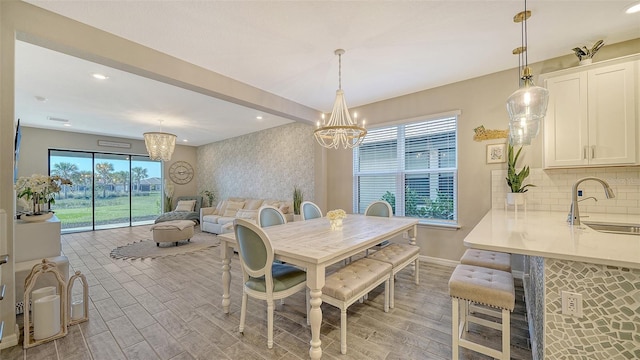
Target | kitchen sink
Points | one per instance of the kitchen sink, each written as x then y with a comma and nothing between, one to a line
614,228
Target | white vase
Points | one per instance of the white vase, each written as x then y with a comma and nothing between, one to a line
515,198
585,61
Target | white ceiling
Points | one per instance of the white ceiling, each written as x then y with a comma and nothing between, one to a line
286,48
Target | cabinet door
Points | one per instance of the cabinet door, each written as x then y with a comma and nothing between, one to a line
565,125
612,118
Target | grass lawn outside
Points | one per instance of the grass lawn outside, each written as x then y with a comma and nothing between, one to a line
76,212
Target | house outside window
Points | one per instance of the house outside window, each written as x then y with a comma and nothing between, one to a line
413,166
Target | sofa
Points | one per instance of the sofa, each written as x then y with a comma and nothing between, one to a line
219,219
187,208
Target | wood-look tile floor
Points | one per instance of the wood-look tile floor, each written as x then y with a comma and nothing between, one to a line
170,308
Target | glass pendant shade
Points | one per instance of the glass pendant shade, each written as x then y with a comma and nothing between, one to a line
160,145
527,107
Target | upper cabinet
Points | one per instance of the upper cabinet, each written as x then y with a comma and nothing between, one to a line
592,118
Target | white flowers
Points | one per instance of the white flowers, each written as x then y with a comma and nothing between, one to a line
168,189
336,214
40,189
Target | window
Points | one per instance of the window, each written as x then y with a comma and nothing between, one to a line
412,166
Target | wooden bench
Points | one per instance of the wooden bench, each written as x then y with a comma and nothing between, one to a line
350,283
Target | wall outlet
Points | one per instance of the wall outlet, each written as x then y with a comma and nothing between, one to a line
579,192
571,304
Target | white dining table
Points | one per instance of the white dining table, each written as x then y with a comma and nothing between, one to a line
312,245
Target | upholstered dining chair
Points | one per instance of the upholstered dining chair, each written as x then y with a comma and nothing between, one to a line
310,211
262,278
379,208
269,216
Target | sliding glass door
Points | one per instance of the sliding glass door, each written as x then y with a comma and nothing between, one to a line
109,190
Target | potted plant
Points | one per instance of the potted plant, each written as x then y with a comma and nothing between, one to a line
515,179
297,200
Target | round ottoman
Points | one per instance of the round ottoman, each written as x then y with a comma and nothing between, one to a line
172,231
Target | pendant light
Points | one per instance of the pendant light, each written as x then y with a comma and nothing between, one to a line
341,130
527,106
160,144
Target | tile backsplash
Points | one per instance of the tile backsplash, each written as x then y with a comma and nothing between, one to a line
552,191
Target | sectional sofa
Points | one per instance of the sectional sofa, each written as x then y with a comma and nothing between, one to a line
219,219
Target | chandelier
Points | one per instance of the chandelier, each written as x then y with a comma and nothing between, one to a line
341,130
527,106
160,144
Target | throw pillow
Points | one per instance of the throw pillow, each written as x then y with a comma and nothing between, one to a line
253,204
186,205
230,213
234,205
247,214
284,208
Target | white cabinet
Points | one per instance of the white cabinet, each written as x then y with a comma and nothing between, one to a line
36,240
592,115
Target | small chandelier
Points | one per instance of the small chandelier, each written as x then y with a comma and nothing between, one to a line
160,144
527,106
341,130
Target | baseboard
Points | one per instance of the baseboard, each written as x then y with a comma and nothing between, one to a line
439,261
10,340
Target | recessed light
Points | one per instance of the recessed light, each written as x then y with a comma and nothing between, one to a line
259,117
67,124
185,140
100,76
40,98
633,8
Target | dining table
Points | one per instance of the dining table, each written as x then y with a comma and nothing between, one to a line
314,245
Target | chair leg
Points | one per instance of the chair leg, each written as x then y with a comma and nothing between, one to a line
343,330
270,324
454,328
243,312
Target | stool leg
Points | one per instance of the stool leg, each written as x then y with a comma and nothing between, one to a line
455,331
416,274
392,293
464,313
506,335
343,330
386,295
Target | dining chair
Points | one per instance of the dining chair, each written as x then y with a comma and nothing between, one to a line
310,211
270,216
262,278
379,208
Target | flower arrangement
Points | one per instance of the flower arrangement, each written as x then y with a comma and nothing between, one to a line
337,214
168,195
40,189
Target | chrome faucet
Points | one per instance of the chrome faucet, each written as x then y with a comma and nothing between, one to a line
574,212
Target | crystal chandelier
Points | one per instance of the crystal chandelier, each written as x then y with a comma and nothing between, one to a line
160,144
527,106
341,130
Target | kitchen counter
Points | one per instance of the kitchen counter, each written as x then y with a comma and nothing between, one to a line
547,234
598,267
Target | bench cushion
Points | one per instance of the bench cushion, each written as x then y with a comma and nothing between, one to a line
488,259
396,254
484,286
345,283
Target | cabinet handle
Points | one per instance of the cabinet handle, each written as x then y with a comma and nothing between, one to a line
4,259
2,287
584,153
593,151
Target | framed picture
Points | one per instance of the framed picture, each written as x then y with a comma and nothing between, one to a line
496,153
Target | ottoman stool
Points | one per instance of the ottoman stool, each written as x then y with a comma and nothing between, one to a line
172,231
489,259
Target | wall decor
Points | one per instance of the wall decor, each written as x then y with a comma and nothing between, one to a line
483,134
496,153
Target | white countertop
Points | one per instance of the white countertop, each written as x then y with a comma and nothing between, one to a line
547,234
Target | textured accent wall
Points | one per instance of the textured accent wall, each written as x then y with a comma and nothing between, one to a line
610,327
265,164
553,189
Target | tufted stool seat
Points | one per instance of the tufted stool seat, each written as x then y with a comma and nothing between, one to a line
172,231
488,259
483,286
350,283
399,256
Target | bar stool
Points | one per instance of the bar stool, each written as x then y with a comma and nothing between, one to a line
488,259
483,286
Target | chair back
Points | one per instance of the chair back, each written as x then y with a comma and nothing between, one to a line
255,251
269,216
379,208
310,211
